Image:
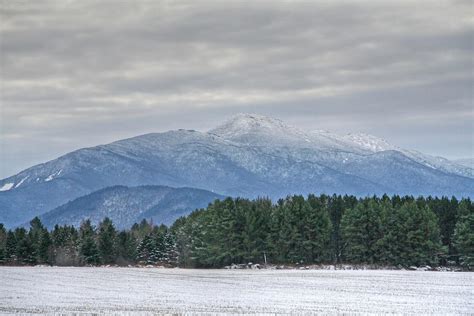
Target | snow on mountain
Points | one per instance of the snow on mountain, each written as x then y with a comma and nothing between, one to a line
6,186
369,142
248,155
376,144
258,130
440,163
466,162
252,129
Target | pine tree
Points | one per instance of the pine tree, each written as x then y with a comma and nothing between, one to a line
361,229
255,233
40,241
411,236
145,250
318,231
11,248
25,252
126,247
170,250
183,232
446,210
3,244
158,249
296,209
44,253
464,236
87,246
106,241
336,210
65,245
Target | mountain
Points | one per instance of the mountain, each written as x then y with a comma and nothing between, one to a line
129,205
467,162
248,155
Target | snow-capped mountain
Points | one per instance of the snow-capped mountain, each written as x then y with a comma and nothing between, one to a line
126,206
248,155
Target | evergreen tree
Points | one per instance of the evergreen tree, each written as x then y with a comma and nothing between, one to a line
336,210
411,236
256,218
170,249
446,210
464,236
106,241
87,246
11,248
295,209
40,241
3,244
361,230
65,245
184,229
44,253
126,247
158,250
25,252
318,231
218,244
145,250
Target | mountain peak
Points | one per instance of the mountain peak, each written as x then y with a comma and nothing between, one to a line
251,128
247,121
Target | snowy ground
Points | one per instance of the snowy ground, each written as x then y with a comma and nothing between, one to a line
113,290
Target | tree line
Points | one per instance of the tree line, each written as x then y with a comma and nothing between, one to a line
88,245
396,231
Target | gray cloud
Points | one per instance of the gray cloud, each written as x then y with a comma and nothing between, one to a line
80,73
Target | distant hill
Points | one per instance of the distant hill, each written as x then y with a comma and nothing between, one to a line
126,206
248,155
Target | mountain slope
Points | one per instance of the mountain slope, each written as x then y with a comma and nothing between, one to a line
129,205
466,162
248,156
375,145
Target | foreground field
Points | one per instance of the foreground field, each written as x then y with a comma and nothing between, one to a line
112,290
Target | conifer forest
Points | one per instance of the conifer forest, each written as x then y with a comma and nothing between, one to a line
380,231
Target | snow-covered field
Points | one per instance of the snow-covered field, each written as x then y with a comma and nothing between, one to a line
128,290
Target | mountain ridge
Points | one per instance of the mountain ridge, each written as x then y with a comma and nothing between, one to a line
128,205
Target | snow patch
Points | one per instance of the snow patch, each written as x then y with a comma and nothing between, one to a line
22,180
52,176
6,187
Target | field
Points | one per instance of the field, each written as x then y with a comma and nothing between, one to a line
128,290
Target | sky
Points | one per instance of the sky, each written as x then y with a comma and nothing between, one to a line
75,74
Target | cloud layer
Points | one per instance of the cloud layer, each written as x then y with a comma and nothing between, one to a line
80,73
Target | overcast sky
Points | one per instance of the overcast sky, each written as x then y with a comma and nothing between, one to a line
82,73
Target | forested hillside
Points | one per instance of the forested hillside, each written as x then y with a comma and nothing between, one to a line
396,231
